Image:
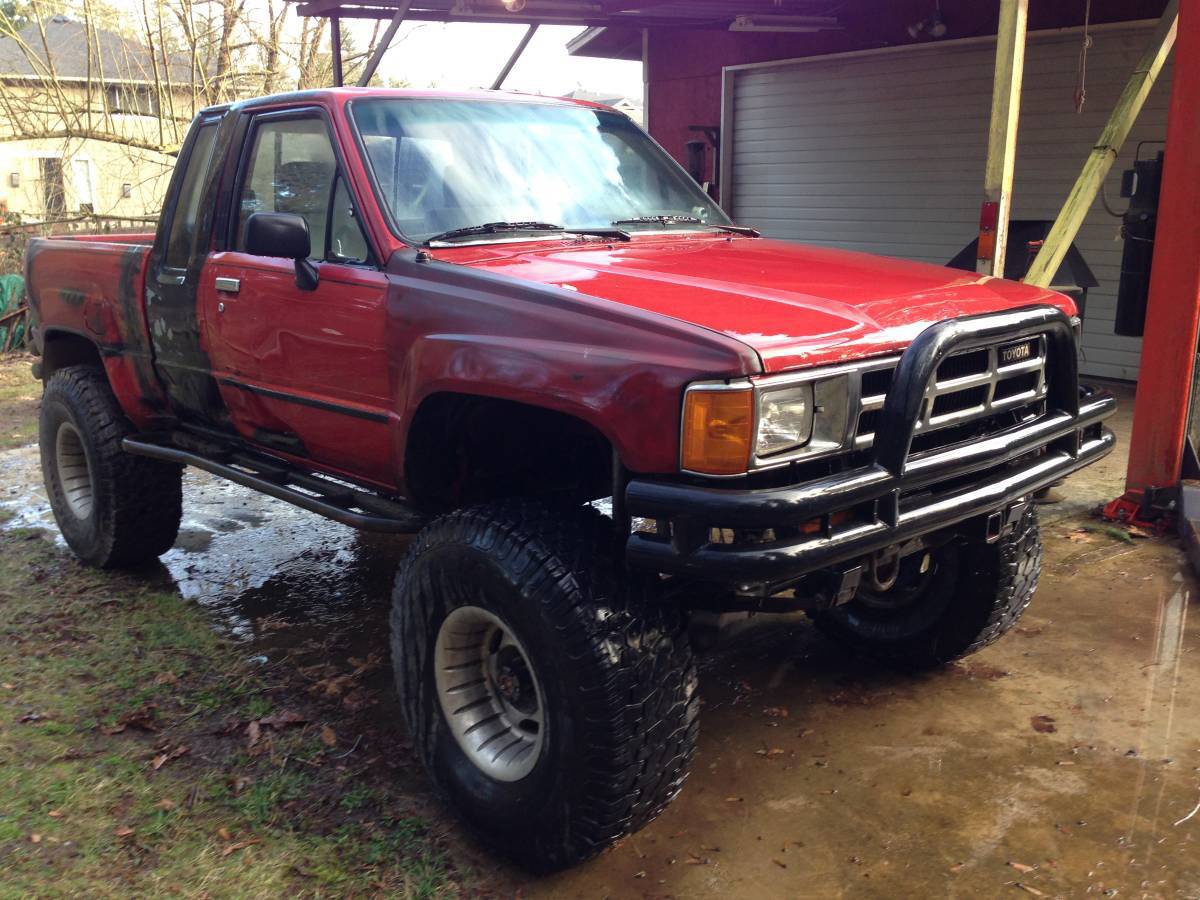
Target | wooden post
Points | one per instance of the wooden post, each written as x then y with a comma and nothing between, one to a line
1160,414
1002,137
1104,154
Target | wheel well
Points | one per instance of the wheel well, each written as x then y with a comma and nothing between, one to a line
465,449
61,349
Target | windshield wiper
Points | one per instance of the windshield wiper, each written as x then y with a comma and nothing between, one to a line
688,220
493,228
497,227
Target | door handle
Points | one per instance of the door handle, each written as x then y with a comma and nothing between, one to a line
229,285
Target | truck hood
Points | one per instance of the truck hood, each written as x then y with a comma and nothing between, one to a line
795,305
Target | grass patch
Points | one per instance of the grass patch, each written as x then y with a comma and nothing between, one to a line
138,757
19,398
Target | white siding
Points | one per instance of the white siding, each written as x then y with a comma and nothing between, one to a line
885,153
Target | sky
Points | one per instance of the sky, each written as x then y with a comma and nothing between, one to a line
464,55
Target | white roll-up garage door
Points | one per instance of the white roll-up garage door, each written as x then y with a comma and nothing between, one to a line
884,152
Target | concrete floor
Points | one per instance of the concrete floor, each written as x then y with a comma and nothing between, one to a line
1063,761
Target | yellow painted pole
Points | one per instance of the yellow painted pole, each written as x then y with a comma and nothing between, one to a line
1002,136
1104,154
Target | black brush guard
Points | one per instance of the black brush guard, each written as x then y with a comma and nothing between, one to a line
895,497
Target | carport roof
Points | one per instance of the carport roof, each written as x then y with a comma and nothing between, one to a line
807,15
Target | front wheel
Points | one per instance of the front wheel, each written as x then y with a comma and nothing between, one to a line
946,602
551,700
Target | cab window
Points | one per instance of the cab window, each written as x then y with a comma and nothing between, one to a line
292,168
181,239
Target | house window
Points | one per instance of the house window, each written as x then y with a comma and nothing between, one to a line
54,201
81,176
133,100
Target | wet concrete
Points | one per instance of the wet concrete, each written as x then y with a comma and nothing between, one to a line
1063,761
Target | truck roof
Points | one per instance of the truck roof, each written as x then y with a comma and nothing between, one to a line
347,93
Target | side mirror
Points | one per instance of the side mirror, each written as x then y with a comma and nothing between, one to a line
283,235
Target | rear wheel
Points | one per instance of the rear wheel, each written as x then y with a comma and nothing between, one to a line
551,701
946,602
113,509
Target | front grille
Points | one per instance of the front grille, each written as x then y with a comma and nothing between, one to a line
986,383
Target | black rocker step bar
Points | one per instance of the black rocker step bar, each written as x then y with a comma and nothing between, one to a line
309,490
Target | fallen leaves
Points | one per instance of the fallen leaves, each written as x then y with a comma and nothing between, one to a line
144,718
328,736
773,753
775,712
123,831
239,845
276,722
1043,724
161,759
282,720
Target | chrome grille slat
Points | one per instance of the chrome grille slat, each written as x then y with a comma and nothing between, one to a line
988,403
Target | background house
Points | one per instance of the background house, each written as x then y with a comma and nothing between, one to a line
631,107
90,120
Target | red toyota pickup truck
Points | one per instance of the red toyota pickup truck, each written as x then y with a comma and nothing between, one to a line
471,317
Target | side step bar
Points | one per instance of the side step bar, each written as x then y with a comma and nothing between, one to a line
316,493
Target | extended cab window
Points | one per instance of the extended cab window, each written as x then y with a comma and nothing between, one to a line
182,236
292,169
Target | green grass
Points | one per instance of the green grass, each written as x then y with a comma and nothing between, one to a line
89,660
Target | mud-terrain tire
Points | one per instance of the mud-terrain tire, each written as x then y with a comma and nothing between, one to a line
114,509
973,594
612,677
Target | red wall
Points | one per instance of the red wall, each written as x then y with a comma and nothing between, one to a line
684,66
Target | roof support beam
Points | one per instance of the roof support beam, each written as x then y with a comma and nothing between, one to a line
516,55
1104,154
335,48
384,42
1160,415
1002,137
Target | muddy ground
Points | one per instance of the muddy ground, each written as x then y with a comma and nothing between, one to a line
1064,761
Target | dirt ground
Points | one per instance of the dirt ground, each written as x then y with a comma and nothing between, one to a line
1063,761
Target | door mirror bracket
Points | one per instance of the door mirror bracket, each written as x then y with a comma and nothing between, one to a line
283,235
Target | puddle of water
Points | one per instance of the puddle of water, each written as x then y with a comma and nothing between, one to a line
247,557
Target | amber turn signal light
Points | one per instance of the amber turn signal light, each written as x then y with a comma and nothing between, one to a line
718,431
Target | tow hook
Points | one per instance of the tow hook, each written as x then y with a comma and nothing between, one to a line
883,568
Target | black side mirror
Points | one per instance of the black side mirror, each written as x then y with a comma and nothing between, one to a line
283,235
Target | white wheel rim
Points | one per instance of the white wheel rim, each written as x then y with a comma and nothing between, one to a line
74,471
489,693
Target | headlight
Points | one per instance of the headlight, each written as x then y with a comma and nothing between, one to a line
730,429
785,419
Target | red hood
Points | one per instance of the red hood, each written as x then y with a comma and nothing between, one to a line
796,305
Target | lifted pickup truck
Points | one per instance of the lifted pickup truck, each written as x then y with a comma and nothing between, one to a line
474,316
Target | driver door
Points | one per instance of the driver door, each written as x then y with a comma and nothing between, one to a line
303,372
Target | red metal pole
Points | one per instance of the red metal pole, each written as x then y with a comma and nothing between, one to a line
1173,309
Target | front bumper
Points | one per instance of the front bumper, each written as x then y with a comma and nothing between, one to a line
895,497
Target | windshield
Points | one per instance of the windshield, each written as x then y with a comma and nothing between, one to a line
442,165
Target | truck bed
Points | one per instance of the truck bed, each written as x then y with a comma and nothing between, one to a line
93,286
